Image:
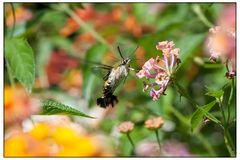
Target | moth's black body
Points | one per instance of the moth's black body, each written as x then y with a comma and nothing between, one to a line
112,80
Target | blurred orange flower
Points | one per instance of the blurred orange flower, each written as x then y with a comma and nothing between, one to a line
18,105
83,42
21,15
132,26
116,14
72,26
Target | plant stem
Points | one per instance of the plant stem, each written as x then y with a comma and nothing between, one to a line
131,141
227,137
85,26
227,141
197,9
221,108
158,140
229,101
14,19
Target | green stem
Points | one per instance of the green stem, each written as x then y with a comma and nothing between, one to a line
230,138
222,111
227,137
85,26
131,141
228,141
197,9
229,101
158,140
14,19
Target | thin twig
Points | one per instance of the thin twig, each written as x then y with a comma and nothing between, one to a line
14,19
227,137
222,111
229,101
131,141
197,9
158,140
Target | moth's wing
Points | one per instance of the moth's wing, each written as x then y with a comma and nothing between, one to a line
102,71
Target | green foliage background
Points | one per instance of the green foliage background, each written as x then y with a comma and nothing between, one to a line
180,22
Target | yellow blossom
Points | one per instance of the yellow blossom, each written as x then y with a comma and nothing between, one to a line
15,146
83,146
40,131
65,135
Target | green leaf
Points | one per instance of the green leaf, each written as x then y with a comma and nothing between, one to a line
209,115
200,112
51,107
216,94
19,56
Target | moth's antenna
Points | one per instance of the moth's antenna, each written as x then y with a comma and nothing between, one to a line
133,52
119,50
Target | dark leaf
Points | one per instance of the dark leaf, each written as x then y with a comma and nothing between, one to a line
200,112
51,107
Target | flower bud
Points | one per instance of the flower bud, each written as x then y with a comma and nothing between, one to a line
126,127
154,123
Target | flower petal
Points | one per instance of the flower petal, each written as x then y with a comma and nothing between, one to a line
141,74
149,64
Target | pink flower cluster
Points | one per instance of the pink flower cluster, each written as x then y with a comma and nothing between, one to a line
160,70
221,40
221,44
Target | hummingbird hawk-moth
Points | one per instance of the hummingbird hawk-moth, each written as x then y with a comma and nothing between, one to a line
112,79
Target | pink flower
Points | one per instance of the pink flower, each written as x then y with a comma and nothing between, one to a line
126,127
160,70
221,41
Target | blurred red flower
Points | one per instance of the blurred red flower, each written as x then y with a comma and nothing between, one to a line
58,64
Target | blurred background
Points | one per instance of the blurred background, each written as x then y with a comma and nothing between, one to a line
66,37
